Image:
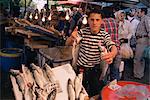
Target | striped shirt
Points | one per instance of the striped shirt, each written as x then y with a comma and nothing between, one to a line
89,54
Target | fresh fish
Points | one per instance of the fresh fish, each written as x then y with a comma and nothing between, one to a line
78,85
104,70
29,94
75,51
71,92
28,76
45,75
83,95
21,82
34,67
103,51
52,77
46,95
50,73
39,76
52,95
38,79
14,72
41,94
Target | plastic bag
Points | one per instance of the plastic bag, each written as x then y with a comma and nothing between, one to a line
133,92
126,51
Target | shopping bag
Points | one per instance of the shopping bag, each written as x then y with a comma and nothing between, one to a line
126,51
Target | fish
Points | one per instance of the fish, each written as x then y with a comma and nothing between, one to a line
71,91
29,94
38,79
39,76
50,73
52,77
28,76
21,82
42,94
83,95
104,70
52,95
103,64
75,51
78,85
14,72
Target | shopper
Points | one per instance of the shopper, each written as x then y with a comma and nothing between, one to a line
142,41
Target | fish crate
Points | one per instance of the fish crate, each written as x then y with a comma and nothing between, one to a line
56,56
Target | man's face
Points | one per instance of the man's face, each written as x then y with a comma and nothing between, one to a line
95,21
121,16
139,13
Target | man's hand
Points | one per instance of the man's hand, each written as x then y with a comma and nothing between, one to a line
73,37
108,57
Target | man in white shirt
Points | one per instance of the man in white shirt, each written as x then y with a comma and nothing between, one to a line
134,23
124,29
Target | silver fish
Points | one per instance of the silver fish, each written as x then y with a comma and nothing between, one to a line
71,92
75,51
104,70
41,94
38,79
14,72
27,75
21,82
29,94
52,95
45,76
39,76
83,94
78,85
45,95
50,73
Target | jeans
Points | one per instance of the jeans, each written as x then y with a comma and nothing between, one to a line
114,68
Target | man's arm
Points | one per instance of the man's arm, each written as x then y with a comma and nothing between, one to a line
72,38
112,49
108,58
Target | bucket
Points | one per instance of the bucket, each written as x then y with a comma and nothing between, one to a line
10,58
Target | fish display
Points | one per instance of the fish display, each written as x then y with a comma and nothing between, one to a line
71,91
75,89
40,83
34,84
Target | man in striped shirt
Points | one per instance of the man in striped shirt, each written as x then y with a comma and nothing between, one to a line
89,56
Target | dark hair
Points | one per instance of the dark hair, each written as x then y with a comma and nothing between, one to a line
96,11
144,9
62,14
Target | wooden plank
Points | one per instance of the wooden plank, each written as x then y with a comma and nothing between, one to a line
28,33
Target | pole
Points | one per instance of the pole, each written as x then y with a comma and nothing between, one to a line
25,7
